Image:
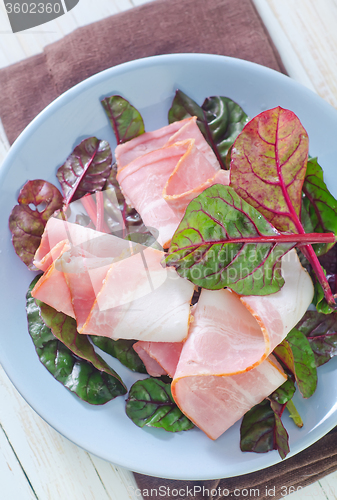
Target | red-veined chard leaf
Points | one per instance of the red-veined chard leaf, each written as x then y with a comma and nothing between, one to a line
71,361
321,332
319,207
27,224
268,167
125,120
296,354
223,241
86,169
122,350
219,118
262,429
150,403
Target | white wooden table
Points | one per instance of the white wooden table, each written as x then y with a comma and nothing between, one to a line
35,461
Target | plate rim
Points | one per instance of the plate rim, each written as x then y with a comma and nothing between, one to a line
81,87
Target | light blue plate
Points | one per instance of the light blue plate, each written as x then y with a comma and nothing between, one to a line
149,84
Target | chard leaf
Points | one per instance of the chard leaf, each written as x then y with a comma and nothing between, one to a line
283,396
150,402
222,241
285,392
122,350
319,299
86,169
125,120
26,224
293,413
319,207
262,429
296,354
219,119
72,362
321,332
280,434
268,167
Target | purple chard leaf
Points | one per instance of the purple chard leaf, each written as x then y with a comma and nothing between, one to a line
321,332
86,169
125,120
27,224
268,168
281,438
223,241
262,429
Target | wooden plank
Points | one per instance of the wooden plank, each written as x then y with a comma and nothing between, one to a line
14,482
310,27
55,467
329,485
291,61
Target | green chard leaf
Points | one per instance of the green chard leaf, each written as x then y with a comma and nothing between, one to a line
122,350
321,332
219,119
150,403
268,167
262,429
285,392
86,169
319,207
319,299
223,241
125,120
296,354
70,359
26,224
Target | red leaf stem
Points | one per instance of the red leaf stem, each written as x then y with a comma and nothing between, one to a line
297,239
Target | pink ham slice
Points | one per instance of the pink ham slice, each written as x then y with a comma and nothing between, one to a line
96,243
44,262
169,171
232,335
84,275
153,368
159,357
150,141
114,287
141,300
52,289
215,403
187,181
161,172
86,249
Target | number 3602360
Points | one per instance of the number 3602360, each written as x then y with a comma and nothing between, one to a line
33,8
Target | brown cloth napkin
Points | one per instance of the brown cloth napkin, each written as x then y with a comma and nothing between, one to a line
228,27
274,482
